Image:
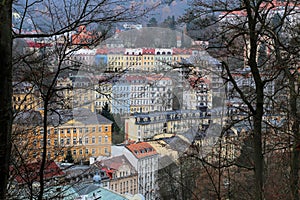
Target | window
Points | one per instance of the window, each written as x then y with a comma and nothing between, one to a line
74,152
62,141
42,131
55,142
74,130
86,130
48,131
48,142
93,151
55,131
105,150
86,151
93,140
93,129
86,140
80,140
34,143
106,139
68,140
80,151
41,143
62,131
74,140
100,139
80,130
106,128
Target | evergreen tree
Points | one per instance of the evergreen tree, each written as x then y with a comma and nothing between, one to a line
117,134
152,22
69,158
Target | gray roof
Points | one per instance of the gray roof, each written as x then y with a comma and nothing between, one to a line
87,117
94,191
58,117
115,163
28,118
84,189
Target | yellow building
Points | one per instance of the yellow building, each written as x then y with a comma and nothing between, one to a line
115,60
86,134
148,59
25,97
103,94
83,134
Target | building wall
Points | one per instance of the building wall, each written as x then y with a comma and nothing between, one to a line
147,173
81,140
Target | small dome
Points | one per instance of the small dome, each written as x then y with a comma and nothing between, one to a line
97,178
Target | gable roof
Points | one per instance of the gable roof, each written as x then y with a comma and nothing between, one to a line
114,163
141,149
77,116
30,172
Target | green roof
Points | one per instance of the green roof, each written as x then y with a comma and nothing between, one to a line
95,191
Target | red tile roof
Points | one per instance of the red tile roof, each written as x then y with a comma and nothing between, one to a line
150,51
37,45
180,51
101,51
30,172
141,149
194,81
112,164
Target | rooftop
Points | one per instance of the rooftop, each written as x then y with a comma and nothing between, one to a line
141,149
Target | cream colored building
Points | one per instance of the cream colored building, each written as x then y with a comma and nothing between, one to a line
123,176
144,126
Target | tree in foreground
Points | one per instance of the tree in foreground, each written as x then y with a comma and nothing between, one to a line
51,22
255,43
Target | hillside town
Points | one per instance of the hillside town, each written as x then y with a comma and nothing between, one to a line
146,112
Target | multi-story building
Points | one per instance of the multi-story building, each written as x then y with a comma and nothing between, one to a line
25,97
144,159
135,93
144,126
102,93
83,58
115,60
203,94
78,132
83,92
148,59
246,84
141,59
123,176
121,94
86,134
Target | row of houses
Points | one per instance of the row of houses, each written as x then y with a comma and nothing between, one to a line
131,59
128,94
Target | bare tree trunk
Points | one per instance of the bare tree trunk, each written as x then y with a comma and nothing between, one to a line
5,92
295,132
44,151
259,104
